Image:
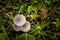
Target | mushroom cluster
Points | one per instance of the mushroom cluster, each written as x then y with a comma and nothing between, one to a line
20,23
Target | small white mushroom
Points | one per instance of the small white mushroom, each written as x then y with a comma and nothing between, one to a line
26,27
16,28
19,20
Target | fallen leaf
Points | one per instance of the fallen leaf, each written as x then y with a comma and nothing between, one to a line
44,13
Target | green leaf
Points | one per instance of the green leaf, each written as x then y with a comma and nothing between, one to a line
37,30
21,9
33,15
29,9
57,22
2,21
38,6
3,36
48,2
25,37
44,24
35,1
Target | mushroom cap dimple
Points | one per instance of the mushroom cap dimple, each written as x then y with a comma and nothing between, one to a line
26,27
16,28
19,20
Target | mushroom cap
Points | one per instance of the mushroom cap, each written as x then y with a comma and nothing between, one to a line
16,28
26,27
19,20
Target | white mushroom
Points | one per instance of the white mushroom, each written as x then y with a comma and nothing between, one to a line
16,28
26,27
19,20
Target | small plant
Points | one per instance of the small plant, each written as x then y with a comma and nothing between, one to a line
26,27
20,23
19,20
